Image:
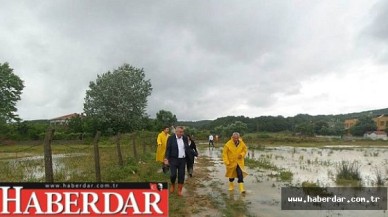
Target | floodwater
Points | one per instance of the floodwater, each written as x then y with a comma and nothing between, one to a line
311,164
32,167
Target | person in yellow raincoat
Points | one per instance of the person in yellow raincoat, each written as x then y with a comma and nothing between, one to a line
233,156
161,143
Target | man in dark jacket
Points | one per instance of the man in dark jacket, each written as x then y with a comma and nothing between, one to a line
176,152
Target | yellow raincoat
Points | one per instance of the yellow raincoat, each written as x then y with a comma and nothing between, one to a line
230,157
161,142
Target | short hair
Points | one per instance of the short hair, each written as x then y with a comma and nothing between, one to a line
236,134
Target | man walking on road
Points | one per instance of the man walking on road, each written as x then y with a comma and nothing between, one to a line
176,153
233,156
211,140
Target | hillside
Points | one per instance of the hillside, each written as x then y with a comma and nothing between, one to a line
280,123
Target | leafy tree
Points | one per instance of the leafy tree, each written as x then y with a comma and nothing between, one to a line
148,124
227,130
363,125
76,124
11,87
271,124
118,99
238,126
321,127
165,118
36,129
306,129
336,127
191,131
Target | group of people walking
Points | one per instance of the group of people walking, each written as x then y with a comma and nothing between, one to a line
177,151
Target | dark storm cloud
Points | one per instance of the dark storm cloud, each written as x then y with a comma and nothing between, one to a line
205,59
375,33
379,25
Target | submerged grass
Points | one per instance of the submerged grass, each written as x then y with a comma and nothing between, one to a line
379,177
307,184
286,175
348,173
263,163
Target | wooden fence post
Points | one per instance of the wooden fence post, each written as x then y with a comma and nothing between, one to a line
48,158
97,156
118,148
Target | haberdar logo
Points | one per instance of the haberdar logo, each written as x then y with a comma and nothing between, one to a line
84,199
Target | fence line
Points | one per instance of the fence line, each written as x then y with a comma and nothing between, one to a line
129,145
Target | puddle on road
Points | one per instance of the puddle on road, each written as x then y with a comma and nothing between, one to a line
307,164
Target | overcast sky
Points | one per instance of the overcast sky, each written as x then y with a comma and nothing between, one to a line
205,59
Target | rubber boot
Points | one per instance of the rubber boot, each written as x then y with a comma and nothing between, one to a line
241,186
180,187
172,187
231,186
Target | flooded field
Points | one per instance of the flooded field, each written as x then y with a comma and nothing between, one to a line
314,165
207,193
31,168
319,165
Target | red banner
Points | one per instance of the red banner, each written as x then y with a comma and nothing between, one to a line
84,199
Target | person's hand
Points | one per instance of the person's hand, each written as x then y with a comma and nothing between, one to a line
165,161
239,157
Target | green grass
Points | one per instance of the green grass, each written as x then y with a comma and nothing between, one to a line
307,184
263,163
286,175
348,173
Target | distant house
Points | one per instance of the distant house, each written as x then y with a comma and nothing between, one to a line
381,122
376,135
63,120
349,123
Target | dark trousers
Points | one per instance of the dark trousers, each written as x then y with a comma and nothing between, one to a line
190,166
239,175
211,143
177,164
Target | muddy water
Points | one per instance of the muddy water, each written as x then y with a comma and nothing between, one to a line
307,164
33,166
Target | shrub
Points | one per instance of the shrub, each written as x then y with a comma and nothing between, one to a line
348,171
286,175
